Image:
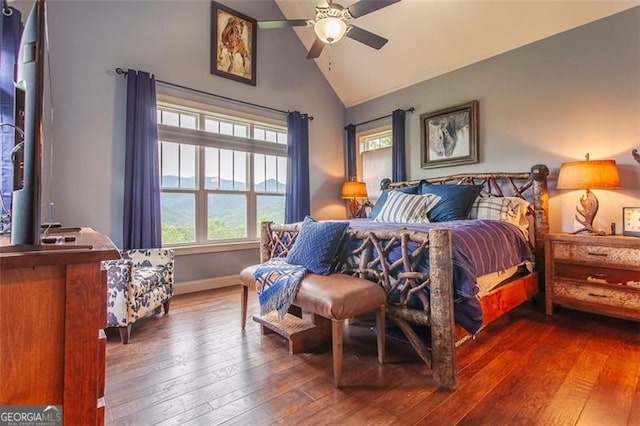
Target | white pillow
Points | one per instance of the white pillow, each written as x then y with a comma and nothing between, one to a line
406,208
508,209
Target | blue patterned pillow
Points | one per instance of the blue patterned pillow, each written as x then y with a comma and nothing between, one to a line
317,244
383,198
455,203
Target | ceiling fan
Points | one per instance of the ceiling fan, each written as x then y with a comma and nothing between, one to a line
332,22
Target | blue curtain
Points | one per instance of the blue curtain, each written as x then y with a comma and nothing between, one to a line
398,166
351,152
10,30
142,169
297,201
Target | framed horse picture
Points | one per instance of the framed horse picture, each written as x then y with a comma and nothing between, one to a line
450,136
233,44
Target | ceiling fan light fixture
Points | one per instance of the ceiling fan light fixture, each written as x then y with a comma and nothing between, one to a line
330,29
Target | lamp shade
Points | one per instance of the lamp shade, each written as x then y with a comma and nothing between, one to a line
354,189
330,30
589,174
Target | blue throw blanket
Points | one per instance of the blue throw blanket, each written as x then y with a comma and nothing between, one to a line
277,284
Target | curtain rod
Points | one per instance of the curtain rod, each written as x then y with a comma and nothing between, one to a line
412,109
202,92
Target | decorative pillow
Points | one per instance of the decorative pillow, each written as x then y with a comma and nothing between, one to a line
508,209
406,208
455,203
383,197
317,244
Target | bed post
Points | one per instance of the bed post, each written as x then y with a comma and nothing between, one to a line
539,174
443,333
265,240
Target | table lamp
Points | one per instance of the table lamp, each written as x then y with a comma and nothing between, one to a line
588,175
353,190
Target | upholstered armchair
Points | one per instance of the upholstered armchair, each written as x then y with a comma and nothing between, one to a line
137,286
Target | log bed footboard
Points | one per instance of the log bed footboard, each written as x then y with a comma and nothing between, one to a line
365,254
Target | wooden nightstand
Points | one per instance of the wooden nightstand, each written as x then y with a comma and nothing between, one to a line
599,274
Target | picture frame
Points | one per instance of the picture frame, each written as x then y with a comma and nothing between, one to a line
233,44
450,136
631,221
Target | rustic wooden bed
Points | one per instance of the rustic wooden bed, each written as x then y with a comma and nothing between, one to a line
368,258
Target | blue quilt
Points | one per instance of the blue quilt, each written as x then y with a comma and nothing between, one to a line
277,284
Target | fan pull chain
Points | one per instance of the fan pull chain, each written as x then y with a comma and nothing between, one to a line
330,56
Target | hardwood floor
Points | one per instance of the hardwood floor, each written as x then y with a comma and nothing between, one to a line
196,367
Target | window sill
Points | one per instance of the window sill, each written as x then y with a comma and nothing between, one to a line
215,248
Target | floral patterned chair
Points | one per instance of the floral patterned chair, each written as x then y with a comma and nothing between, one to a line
137,285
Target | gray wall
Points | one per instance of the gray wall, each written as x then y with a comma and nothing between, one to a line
89,39
547,102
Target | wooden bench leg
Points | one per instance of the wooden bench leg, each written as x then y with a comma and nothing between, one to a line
336,344
243,306
380,325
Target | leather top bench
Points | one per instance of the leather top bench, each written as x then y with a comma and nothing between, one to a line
334,297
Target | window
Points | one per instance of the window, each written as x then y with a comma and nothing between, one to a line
375,159
221,176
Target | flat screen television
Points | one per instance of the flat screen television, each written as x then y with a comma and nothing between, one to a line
25,208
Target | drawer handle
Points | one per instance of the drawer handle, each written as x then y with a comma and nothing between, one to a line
597,276
597,295
591,253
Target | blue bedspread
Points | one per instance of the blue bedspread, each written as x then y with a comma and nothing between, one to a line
479,247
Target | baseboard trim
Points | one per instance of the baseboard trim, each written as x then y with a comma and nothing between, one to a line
206,284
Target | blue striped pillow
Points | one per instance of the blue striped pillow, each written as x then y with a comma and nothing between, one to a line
406,208
383,198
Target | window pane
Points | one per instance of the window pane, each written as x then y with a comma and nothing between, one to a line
169,165
376,165
373,144
226,128
271,136
240,130
240,170
178,218
212,172
226,169
271,177
227,216
269,208
282,138
170,118
282,174
188,121
258,172
188,166
385,142
258,134
211,125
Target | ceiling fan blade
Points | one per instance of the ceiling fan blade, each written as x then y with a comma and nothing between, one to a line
322,4
366,37
364,7
316,49
284,24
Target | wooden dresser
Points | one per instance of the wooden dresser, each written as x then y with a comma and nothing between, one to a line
599,274
52,312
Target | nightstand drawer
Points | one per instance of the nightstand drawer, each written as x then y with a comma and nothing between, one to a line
594,253
620,297
599,274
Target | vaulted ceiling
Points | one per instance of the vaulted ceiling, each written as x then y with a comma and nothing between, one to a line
428,38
